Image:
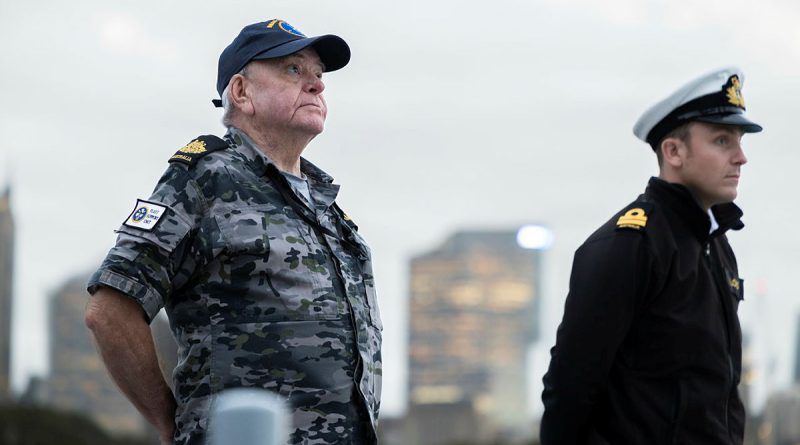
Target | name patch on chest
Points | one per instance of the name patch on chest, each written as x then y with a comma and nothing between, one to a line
145,215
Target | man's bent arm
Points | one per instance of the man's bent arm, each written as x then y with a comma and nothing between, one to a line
125,344
608,275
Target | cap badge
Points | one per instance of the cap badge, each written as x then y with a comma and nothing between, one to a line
194,147
733,90
286,27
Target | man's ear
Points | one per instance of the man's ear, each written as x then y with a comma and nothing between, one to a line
238,94
672,152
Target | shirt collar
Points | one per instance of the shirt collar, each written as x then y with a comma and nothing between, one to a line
714,223
323,190
678,198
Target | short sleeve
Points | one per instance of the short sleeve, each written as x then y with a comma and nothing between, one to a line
148,260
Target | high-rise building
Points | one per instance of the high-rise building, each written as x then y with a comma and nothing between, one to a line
780,424
473,315
78,379
6,291
796,375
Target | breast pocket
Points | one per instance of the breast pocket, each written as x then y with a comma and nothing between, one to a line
276,270
365,259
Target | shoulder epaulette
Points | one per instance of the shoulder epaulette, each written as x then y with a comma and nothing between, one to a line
635,216
349,221
198,148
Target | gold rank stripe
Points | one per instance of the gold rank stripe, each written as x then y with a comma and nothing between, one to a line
633,218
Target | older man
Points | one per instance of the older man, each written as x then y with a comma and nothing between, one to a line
649,350
265,280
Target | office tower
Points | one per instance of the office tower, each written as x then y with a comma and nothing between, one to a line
6,291
780,424
796,374
78,379
473,315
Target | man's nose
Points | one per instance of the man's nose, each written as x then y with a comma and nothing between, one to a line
315,85
740,158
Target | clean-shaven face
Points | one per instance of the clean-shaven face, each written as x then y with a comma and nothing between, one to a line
713,162
287,92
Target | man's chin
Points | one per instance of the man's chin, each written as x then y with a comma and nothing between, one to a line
728,197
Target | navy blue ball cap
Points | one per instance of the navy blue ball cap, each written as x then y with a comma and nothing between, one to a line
276,38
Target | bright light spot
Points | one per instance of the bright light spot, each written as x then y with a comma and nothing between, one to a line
120,32
126,35
535,237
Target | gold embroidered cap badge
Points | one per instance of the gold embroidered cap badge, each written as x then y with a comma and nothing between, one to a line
734,92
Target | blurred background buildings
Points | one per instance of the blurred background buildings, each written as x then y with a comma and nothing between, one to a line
474,314
6,291
78,380
425,137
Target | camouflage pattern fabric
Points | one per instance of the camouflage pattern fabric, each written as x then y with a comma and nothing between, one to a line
256,295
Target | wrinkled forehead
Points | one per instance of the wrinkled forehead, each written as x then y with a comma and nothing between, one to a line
306,56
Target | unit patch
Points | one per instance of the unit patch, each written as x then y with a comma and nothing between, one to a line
635,217
145,215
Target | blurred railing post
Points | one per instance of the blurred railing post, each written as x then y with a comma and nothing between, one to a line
245,416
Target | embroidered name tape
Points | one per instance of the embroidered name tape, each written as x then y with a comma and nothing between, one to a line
145,215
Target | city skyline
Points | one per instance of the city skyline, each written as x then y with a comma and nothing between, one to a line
458,116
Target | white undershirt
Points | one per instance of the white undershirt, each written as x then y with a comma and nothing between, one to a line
714,223
300,186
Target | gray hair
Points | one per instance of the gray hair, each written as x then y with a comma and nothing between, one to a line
227,109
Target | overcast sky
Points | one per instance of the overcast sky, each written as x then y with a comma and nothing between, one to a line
450,115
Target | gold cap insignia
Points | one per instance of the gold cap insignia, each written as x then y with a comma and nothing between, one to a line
194,147
633,219
285,27
735,283
734,91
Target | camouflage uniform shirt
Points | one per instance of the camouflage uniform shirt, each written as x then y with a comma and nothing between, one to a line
260,291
